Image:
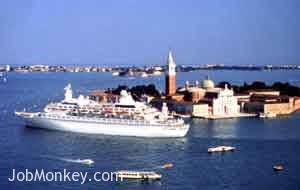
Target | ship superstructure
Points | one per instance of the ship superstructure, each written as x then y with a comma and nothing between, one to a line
69,103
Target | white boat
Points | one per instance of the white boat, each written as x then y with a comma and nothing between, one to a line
125,118
143,175
267,115
278,168
144,75
221,149
156,73
115,73
85,161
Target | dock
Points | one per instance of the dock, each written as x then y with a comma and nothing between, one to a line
215,117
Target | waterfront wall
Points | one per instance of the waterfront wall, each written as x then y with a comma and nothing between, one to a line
279,108
284,108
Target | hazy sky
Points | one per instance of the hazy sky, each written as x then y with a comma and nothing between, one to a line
114,32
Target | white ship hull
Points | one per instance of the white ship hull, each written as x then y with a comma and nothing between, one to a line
92,127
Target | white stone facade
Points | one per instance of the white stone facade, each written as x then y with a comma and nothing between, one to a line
226,103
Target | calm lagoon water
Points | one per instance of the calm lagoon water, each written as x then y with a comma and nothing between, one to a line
260,143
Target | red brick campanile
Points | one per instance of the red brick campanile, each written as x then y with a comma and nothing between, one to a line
170,76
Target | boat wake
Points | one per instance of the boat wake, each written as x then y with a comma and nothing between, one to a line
78,161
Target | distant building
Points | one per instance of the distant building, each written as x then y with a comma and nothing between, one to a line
264,92
210,100
103,97
158,68
208,84
197,101
272,104
201,110
39,68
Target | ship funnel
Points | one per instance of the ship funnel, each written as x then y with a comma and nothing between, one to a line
165,109
68,93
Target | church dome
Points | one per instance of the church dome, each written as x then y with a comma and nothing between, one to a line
208,84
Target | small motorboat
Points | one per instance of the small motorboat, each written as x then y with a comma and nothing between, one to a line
167,165
278,168
115,73
141,175
221,149
85,161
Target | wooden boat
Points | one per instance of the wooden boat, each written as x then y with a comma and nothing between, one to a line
142,175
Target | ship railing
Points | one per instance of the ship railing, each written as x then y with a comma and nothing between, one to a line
171,123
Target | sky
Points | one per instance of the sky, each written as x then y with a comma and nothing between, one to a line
141,32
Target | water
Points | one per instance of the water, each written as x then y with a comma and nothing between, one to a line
260,143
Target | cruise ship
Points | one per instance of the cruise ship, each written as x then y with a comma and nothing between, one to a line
123,118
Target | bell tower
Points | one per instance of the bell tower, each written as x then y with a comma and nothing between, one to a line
170,75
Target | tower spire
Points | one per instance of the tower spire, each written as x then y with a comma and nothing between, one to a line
171,66
170,75
170,58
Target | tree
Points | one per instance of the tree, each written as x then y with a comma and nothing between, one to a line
258,85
